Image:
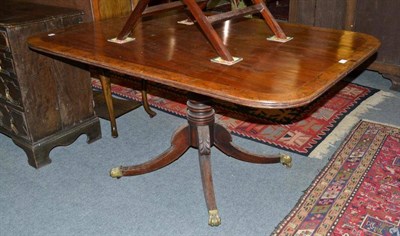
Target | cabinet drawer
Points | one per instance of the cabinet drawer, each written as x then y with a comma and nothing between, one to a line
4,41
7,66
13,121
9,91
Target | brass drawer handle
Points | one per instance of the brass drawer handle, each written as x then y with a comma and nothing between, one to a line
13,127
8,96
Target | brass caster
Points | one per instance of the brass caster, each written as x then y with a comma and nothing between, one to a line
286,160
114,132
116,172
213,218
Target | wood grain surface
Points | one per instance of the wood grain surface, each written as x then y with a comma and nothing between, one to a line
271,75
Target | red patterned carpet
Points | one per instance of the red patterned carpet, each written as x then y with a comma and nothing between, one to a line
358,192
298,130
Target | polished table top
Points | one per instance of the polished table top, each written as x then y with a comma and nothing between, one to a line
271,75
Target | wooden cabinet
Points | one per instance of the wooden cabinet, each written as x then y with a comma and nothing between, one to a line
83,5
375,17
44,102
94,9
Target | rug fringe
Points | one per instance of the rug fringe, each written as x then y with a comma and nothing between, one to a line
348,122
382,123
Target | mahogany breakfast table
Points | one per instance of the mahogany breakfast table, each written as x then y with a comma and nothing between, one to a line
270,74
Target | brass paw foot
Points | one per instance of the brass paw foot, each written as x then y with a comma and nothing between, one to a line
116,172
213,218
286,160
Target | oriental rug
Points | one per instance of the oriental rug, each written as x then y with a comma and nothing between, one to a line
358,192
298,130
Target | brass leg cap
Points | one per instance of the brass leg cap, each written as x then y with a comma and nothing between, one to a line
116,172
213,218
286,160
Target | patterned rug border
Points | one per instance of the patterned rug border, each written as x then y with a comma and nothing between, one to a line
325,170
319,146
347,123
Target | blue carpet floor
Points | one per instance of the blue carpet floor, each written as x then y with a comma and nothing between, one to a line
74,195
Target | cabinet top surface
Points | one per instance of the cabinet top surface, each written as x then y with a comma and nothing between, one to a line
271,74
17,13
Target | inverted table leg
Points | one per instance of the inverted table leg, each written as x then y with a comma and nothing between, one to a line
201,133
